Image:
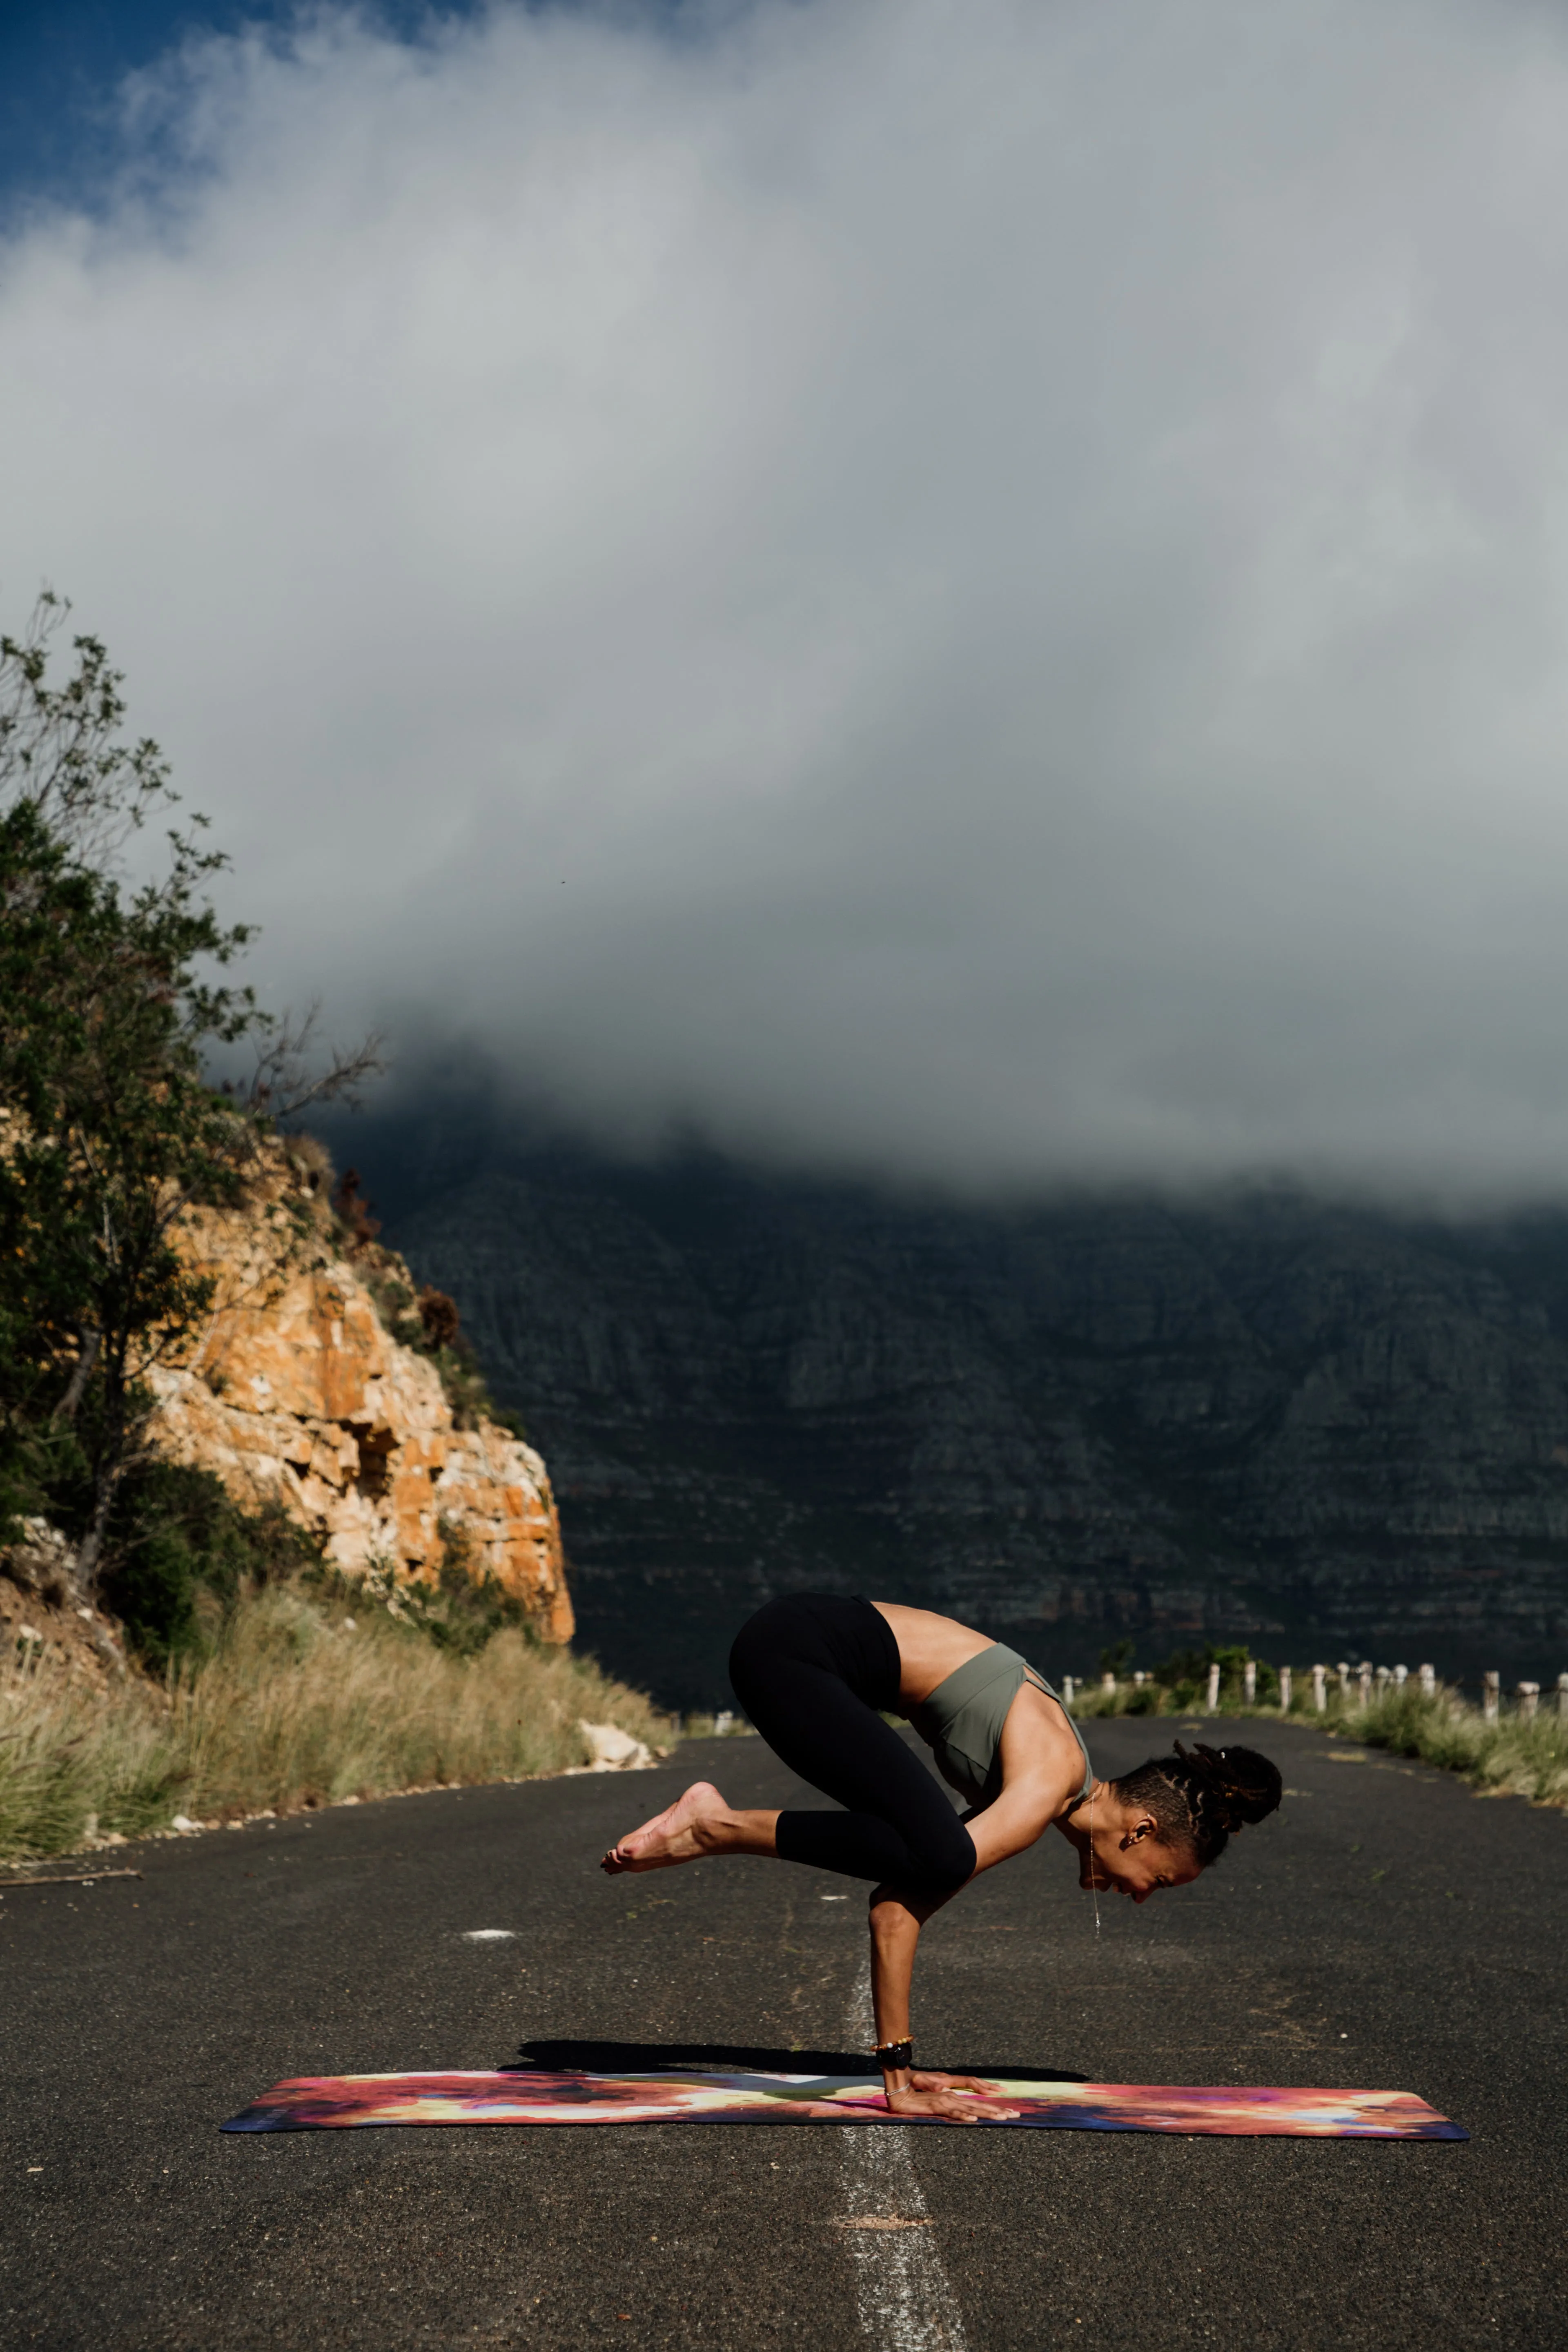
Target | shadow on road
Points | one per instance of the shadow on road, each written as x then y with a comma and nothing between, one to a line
736,2058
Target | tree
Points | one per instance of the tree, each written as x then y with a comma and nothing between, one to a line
112,1130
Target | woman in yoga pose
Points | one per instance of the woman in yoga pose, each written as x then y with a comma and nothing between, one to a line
816,1673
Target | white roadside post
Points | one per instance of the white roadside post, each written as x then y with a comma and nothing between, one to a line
1249,1682
1344,1672
1284,1690
1529,1700
1108,1685
1384,1680
1321,1689
1428,1680
1563,1697
1401,1676
1491,1691
1364,1682
1213,1706
1067,1690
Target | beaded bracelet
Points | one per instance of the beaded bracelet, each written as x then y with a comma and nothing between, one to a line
890,2056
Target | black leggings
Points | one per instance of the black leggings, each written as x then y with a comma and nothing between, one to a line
811,1670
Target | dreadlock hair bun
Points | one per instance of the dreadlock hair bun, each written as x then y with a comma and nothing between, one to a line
1200,1796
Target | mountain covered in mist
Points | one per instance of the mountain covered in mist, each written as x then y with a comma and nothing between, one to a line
1323,1430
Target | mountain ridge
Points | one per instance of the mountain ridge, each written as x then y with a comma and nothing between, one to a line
1322,1429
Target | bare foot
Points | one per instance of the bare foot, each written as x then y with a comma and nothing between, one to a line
667,1838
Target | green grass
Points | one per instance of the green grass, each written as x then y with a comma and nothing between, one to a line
1508,1756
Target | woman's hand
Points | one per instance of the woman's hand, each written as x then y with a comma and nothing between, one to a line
920,2081
951,2097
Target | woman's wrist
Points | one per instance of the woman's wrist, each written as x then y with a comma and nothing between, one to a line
896,2060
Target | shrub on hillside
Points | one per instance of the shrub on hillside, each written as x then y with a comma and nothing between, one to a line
178,1539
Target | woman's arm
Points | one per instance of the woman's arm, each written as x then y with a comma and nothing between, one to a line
1015,1821
1041,1765
896,1923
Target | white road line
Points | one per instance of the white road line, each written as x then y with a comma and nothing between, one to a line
904,2297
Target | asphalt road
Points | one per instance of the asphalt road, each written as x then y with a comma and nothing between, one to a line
1389,1929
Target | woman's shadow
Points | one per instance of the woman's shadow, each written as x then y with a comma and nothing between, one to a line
737,2058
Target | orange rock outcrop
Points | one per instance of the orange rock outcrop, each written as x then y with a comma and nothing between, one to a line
297,1391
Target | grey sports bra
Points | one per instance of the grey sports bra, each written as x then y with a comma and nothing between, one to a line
962,1721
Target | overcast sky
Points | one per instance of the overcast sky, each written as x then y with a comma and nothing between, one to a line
976,589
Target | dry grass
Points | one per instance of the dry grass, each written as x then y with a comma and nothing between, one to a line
1510,1757
294,1707
73,1761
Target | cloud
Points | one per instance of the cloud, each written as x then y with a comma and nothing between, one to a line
977,590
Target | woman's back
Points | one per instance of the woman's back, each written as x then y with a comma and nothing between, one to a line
958,1687
963,1719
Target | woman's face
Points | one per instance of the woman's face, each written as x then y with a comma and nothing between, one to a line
1131,1861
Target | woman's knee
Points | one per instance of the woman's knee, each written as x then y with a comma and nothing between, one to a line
770,1662
757,1645
943,1854
749,1663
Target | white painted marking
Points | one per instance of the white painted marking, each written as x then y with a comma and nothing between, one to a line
490,1935
904,2297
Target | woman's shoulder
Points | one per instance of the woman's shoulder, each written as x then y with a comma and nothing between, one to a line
1040,1739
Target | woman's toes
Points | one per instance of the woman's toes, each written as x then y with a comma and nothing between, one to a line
635,1840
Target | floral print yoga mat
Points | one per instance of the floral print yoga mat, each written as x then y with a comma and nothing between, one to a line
529,2095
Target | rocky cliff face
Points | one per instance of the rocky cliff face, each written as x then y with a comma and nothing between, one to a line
297,1393
1325,1431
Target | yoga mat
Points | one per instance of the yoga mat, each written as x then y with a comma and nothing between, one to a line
529,2095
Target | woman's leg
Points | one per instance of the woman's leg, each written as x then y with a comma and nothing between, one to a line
807,1670
811,1672
698,1823
898,1826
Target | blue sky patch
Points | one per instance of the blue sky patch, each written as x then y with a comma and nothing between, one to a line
62,63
